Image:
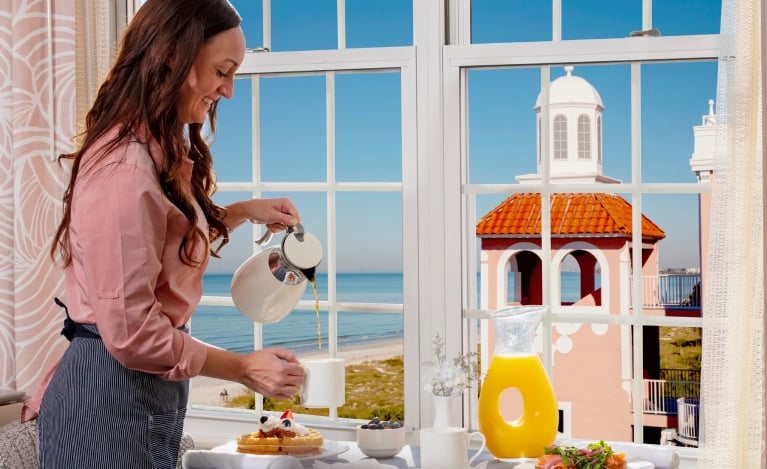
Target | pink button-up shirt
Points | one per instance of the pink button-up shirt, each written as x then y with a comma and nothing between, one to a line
126,275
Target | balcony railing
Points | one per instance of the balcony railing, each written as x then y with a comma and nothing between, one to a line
671,290
687,426
661,396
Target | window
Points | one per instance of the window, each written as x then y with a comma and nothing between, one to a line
396,168
584,137
340,142
608,303
560,137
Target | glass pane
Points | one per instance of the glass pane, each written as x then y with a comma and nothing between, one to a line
687,16
368,127
591,365
510,21
675,103
293,129
232,148
608,87
673,288
502,124
600,19
369,237
251,12
382,23
505,129
304,25
671,372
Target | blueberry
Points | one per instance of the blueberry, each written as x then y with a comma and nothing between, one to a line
375,420
396,425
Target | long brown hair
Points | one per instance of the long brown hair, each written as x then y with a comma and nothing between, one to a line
141,92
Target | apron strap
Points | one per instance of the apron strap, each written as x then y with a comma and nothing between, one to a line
74,329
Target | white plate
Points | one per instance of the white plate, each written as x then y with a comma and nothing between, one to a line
329,448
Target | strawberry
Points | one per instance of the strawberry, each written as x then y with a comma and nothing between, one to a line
288,414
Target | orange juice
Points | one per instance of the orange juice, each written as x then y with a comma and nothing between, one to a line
536,427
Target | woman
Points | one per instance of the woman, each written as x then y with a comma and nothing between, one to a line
139,225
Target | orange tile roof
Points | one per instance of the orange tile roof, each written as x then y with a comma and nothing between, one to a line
572,215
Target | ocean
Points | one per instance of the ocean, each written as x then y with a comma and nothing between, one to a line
226,327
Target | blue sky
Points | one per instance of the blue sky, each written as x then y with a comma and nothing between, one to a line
501,116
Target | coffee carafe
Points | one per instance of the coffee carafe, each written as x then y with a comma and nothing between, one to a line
269,284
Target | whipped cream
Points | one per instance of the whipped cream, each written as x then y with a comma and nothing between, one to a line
268,423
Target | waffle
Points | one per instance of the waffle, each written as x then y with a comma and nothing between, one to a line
280,436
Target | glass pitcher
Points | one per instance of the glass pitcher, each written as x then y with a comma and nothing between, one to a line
515,365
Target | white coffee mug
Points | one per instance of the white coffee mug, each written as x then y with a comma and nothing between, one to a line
448,447
324,384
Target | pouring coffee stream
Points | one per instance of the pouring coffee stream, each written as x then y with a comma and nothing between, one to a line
269,284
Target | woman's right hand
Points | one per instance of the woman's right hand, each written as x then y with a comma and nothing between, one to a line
273,372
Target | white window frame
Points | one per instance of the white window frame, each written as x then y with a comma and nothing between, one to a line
459,59
438,202
217,423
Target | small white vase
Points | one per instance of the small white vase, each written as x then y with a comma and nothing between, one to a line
445,408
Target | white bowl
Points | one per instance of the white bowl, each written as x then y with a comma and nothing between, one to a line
380,443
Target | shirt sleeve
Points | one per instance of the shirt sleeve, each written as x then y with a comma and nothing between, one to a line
119,228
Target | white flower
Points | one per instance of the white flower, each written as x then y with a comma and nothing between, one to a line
450,378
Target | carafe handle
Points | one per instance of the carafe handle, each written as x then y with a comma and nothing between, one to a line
263,240
267,237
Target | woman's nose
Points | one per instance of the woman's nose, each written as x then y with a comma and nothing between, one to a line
227,88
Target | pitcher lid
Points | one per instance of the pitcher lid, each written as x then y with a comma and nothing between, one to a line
303,250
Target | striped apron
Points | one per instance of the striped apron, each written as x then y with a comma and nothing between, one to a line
96,413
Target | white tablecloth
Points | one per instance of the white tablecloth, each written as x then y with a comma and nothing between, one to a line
639,457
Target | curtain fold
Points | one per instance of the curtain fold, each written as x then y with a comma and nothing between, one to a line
733,308
94,49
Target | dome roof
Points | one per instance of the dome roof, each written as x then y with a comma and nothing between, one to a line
570,89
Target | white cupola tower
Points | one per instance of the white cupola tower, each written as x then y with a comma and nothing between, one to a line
575,137
702,161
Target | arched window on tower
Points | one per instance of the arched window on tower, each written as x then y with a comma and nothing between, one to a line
580,280
560,137
599,139
584,137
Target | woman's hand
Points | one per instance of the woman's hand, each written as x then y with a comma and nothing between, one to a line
276,214
273,372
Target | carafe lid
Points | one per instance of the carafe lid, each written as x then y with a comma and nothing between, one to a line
302,249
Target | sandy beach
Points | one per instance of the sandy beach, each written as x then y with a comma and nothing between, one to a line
211,391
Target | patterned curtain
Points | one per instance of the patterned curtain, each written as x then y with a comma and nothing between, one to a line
43,57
